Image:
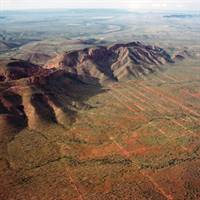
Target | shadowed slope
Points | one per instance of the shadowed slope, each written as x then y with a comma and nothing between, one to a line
45,96
116,62
33,95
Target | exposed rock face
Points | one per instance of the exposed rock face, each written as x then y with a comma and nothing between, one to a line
12,107
17,69
117,62
31,94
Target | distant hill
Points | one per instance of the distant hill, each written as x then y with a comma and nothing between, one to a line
181,16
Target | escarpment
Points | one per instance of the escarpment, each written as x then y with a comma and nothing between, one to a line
32,95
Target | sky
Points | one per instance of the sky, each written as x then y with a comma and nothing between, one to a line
122,4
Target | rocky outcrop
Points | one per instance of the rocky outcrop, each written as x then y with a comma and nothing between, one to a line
31,94
17,69
116,62
48,96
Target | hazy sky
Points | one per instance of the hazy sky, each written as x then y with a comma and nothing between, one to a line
125,4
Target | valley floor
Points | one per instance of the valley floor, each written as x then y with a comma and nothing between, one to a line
140,141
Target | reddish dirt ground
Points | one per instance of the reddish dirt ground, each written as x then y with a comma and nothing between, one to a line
141,142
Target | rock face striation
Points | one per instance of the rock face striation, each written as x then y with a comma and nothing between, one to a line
31,94
115,63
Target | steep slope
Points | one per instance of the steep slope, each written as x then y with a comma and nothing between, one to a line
31,96
16,69
116,62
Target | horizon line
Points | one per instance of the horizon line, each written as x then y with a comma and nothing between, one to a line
120,9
